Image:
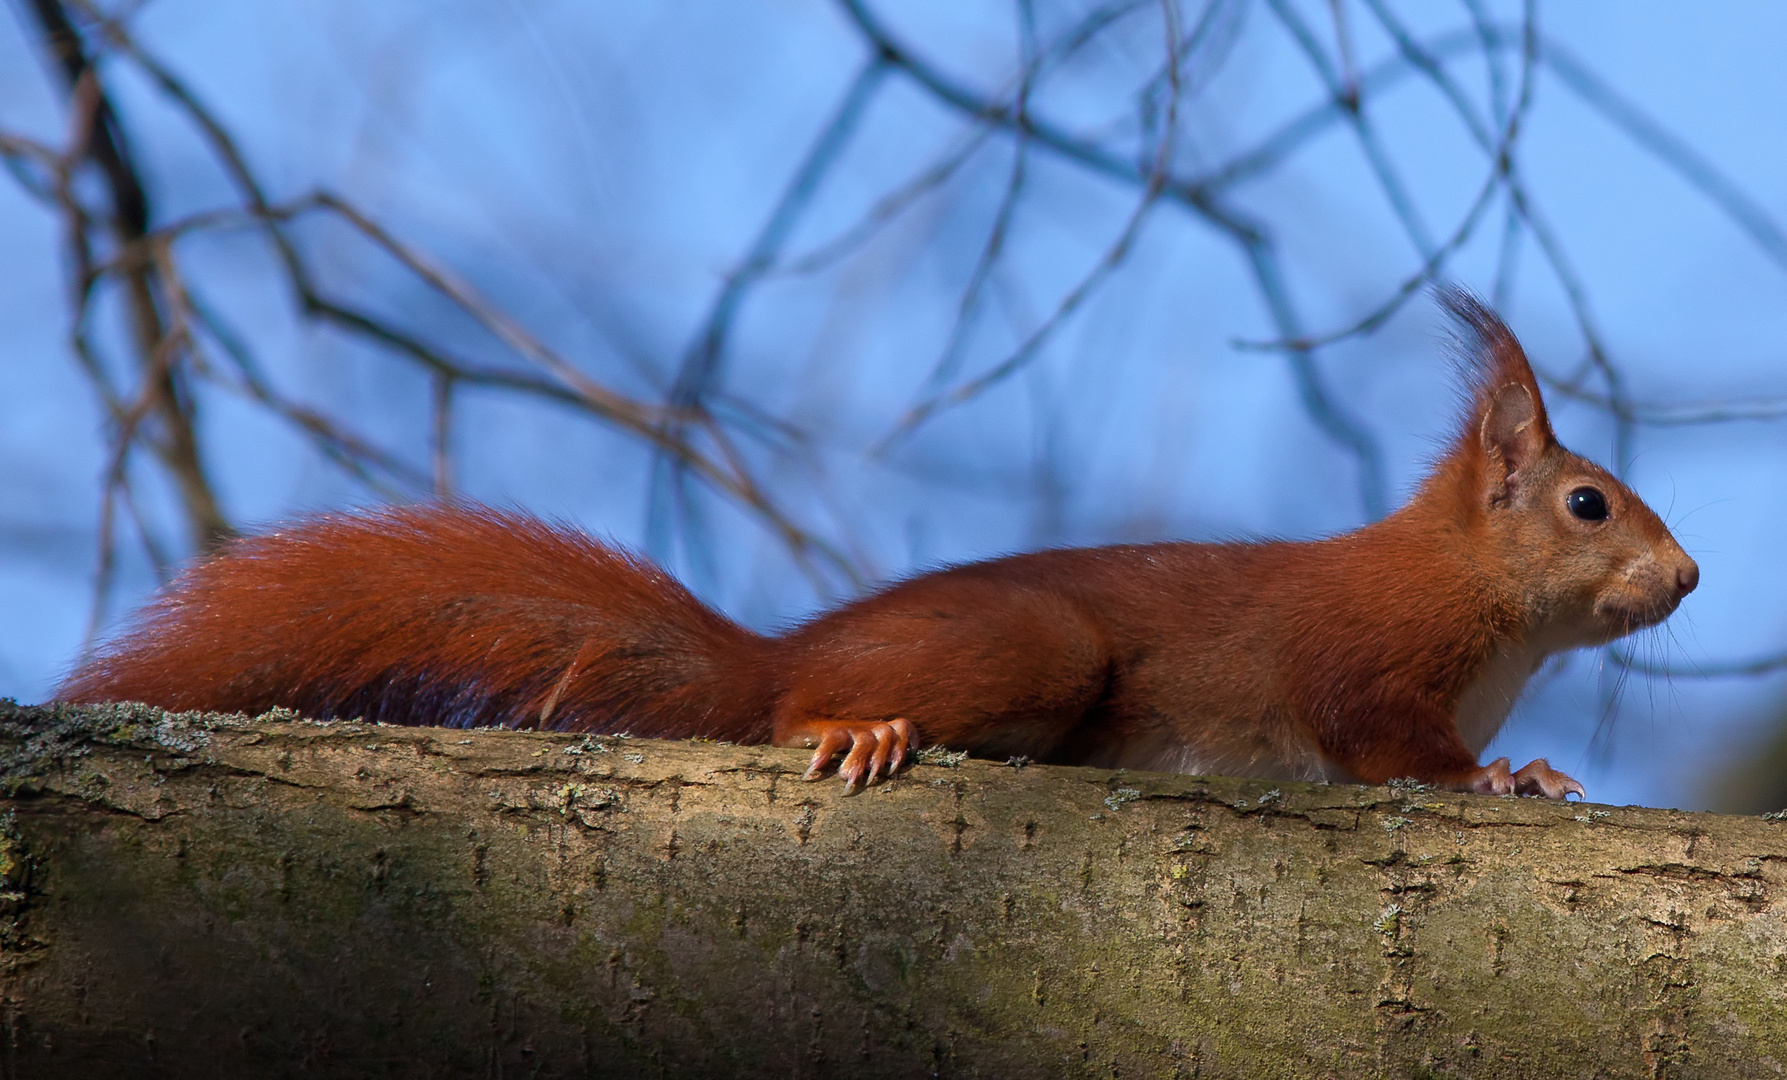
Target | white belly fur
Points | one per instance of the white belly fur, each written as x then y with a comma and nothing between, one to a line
1486,702
1188,759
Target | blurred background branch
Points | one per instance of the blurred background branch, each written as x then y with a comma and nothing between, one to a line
799,299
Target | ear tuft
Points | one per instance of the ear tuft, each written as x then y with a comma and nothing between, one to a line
1507,412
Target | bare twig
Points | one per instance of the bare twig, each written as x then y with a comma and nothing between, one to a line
1343,87
1692,414
1261,257
968,306
355,455
1435,261
180,347
1749,215
566,383
934,176
442,448
1571,282
702,362
176,443
1112,258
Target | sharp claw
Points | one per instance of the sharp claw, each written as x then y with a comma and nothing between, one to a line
1539,778
856,762
1494,779
828,749
905,736
884,742
869,751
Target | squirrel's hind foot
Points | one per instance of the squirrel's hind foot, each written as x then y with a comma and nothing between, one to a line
876,749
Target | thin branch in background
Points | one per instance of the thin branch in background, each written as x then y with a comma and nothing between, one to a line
32,164
1343,42
1343,88
175,441
442,441
614,406
887,208
647,422
904,196
1507,259
1576,292
662,428
1277,146
1031,347
356,456
1745,212
116,489
115,484
968,306
160,562
1257,249
639,419
124,417
1199,56
1431,269
1070,303
1261,257
702,362
1519,197
1693,414
1409,287
105,566
1492,60
697,432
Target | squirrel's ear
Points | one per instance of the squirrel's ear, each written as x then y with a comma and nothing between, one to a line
1513,433
1508,421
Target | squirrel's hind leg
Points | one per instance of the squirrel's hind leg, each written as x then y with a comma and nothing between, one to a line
982,667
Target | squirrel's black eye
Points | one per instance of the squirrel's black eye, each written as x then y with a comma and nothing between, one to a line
1588,504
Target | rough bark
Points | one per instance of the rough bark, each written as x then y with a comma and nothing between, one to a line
189,896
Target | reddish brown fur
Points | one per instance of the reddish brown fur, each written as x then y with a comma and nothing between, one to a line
463,617
1357,656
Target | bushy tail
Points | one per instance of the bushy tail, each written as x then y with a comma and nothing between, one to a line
455,616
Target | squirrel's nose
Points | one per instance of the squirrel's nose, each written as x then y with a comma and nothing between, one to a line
1687,575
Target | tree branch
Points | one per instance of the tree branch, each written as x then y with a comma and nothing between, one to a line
217,896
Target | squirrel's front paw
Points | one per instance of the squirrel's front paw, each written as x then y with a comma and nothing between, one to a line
1539,778
1491,779
876,749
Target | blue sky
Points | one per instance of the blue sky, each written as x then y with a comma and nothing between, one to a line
595,171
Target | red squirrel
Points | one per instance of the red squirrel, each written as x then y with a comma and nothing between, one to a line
1393,651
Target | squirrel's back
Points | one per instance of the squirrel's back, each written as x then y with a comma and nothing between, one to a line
1394,650
458,616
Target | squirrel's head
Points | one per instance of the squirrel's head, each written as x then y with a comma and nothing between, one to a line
1583,556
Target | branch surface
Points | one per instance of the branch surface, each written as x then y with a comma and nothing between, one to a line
200,895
